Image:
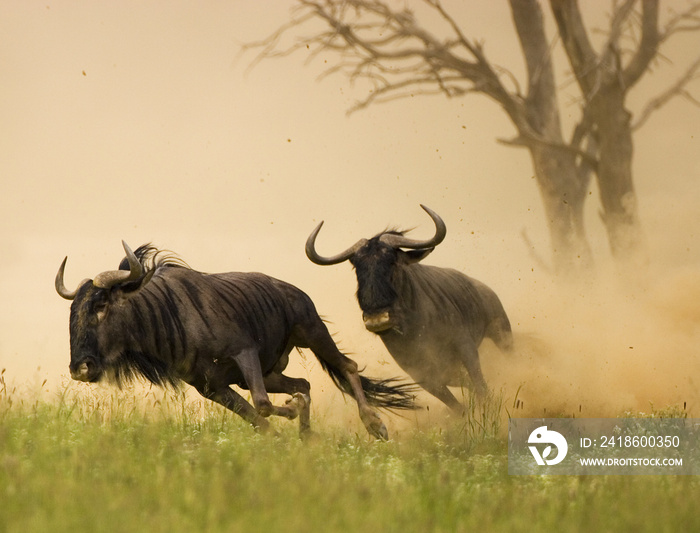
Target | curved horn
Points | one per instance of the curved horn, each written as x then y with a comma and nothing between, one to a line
333,260
399,241
60,286
109,279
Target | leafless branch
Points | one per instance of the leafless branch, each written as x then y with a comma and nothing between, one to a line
534,254
390,50
618,21
269,47
677,89
648,44
684,21
582,56
398,91
399,58
474,49
531,139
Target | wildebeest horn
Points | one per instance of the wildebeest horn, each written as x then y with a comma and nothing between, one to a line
334,260
60,286
399,241
108,279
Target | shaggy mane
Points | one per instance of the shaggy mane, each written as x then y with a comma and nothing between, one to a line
151,258
393,231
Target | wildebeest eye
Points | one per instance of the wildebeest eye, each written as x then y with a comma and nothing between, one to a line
99,309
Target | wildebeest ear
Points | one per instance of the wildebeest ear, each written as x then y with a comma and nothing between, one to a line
413,256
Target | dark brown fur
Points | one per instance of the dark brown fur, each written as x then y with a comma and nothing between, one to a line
212,331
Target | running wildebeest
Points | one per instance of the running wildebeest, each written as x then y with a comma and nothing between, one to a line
432,320
158,319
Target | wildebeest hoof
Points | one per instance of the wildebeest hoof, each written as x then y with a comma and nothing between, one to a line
296,404
263,427
375,426
382,432
302,400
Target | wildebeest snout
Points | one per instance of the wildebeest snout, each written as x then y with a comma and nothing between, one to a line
83,371
378,322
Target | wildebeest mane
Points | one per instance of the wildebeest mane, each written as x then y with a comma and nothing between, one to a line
393,231
152,257
133,363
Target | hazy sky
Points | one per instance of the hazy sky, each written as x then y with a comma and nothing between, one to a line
137,121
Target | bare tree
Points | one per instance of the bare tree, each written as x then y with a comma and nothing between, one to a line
400,57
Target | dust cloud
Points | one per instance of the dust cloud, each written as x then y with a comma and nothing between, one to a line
600,351
591,350
139,124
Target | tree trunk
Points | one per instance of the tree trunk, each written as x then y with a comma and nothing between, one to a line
562,188
563,198
604,83
614,177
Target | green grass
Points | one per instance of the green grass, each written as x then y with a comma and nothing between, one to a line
97,460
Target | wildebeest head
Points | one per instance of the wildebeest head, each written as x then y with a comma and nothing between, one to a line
376,261
90,310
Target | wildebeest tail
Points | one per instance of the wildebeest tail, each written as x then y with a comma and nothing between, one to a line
390,393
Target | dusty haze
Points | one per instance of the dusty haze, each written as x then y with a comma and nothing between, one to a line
135,121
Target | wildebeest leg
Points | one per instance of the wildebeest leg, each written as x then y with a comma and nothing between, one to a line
299,389
500,332
469,355
248,362
314,335
442,393
230,399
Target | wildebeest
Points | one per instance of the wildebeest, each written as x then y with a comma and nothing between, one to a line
158,319
432,320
